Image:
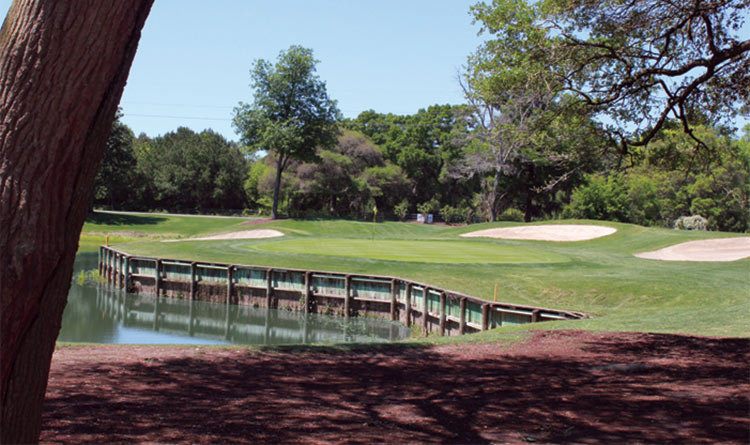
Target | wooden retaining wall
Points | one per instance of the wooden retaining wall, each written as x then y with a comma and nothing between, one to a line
413,303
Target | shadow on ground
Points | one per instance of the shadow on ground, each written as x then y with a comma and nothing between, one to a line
566,386
119,219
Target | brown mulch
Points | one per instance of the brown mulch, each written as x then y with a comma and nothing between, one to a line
559,386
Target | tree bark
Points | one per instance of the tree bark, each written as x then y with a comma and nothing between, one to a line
529,194
63,67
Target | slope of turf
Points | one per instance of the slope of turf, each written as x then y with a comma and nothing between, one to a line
601,276
423,251
131,226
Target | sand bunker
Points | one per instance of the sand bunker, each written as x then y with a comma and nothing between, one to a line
244,234
555,232
723,249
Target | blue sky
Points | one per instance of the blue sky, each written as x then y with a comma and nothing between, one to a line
392,56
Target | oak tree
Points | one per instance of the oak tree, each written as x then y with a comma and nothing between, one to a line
63,67
639,63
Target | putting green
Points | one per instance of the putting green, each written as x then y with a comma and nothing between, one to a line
413,251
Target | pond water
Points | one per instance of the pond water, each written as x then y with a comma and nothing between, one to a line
98,313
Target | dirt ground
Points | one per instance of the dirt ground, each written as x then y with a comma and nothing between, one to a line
559,386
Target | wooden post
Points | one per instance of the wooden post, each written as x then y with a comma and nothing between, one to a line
230,284
126,273
269,287
442,313
110,273
306,297
121,270
407,303
108,264
193,282
535,315
485,316
157,276
116,280
394,294
462,316
101,258
425,294
348,297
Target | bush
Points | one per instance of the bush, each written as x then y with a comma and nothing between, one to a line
603,198
511,214
452,215
695,222
431,206
402,210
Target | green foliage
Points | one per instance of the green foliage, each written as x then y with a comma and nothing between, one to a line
602,198
451,214
92,276
621,58
350,179
258,170
431,206
669,183
652,197
191,171
115,179
402,210
423,146
511,214
695,222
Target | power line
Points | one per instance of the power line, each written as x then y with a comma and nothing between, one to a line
166,116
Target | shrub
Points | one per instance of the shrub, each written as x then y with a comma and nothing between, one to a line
402,210
452,215
511,214
602,198
431,206
695,222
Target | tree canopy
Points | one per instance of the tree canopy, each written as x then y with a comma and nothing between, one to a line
291,115
639,63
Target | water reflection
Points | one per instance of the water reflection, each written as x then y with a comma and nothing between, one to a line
97,313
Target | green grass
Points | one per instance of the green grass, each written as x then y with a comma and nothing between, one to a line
101,227
428,251
600,277
160,226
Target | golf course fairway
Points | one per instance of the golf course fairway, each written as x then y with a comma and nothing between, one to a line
422,251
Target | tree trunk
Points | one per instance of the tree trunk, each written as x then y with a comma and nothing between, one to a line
494,197
529,194
63,67
276,188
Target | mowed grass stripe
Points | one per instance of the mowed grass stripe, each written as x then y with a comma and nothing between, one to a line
427,251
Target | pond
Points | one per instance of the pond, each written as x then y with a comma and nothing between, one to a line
98,313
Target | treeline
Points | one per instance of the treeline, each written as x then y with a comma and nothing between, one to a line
566,115
179,171
401,165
